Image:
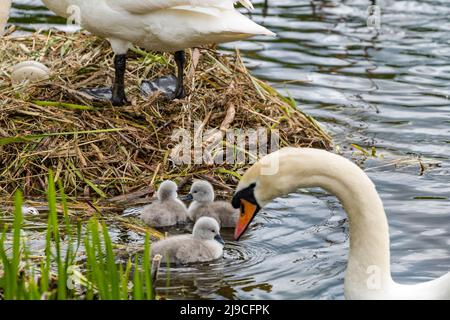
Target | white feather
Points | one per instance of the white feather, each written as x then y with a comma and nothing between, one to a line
162,25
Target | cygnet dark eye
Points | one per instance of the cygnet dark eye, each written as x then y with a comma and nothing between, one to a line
213,231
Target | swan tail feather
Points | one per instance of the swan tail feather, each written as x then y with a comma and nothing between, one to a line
247,4
251,28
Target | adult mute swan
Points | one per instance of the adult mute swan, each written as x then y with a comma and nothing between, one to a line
158,25
368,274
5,6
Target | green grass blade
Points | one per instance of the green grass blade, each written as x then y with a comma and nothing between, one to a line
147,269
53,218
113,279
6,280
64,105
125,280
137,282
17,229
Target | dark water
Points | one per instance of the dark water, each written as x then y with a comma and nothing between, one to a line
387,90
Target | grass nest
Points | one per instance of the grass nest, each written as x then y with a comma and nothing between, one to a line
120,154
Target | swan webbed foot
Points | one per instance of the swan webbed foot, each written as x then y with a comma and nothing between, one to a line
167,85
179,93
171,86
117,102
98,94
105,95
117,94
118,98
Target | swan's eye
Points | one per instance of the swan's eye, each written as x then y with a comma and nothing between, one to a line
213,231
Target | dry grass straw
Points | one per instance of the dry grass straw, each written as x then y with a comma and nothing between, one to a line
99,151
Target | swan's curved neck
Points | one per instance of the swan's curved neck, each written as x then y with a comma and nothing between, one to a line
369,234
369,254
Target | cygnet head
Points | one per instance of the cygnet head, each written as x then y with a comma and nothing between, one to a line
167,190
207,228
202,191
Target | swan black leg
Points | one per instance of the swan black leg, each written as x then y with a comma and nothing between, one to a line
180,59
118,90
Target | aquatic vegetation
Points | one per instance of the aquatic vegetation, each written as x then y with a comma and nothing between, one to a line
57,275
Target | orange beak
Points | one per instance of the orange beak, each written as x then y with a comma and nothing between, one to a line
248,212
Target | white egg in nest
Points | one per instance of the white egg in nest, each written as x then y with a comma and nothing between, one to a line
30,211
29,71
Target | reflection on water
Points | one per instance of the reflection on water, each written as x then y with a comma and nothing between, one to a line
388,90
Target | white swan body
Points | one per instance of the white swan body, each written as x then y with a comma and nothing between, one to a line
160,25
368,274
5,6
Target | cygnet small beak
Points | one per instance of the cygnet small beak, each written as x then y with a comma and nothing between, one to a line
219,239
188,197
